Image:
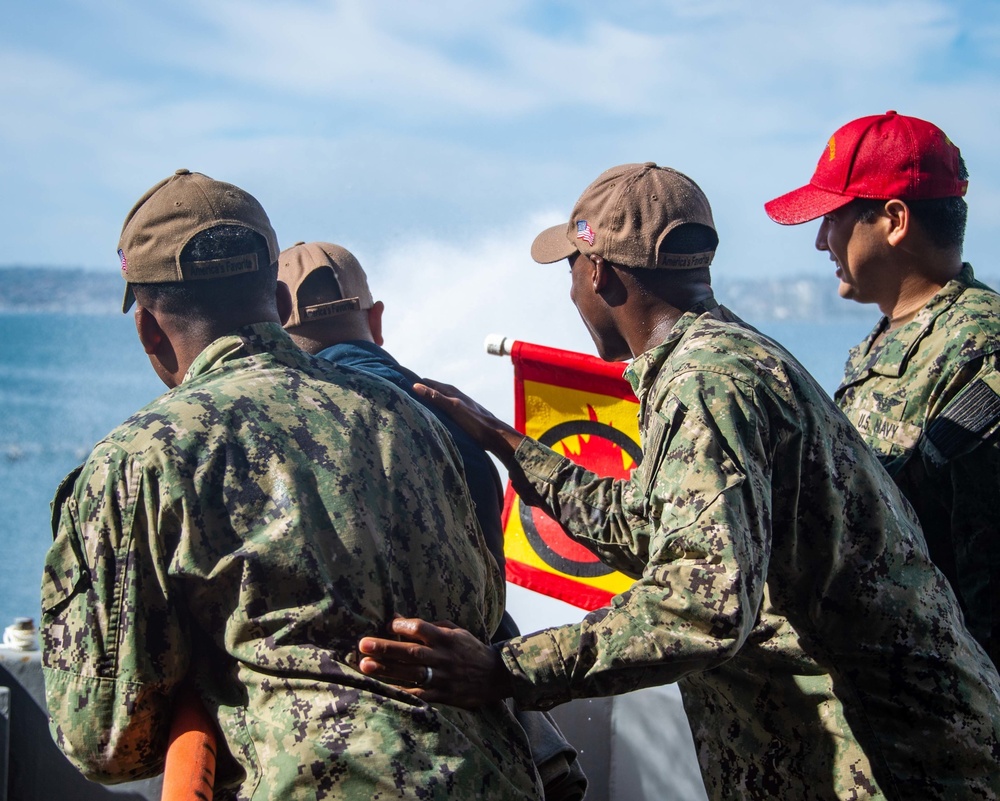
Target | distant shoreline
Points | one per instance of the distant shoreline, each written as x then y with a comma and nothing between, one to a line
55,290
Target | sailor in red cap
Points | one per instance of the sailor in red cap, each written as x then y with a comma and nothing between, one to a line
924,387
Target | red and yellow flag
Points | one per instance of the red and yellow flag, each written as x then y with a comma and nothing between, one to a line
581,407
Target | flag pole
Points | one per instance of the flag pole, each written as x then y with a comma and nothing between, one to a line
499,345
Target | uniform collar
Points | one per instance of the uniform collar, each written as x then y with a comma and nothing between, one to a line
643,370
250,340
890,356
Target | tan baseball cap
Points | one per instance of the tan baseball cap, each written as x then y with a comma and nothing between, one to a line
169,215
626,215
302,259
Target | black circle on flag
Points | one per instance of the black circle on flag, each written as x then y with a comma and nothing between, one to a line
549,542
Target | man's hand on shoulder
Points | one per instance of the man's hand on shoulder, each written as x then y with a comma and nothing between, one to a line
482,425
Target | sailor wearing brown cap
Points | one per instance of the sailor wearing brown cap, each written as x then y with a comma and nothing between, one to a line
240,533
780,578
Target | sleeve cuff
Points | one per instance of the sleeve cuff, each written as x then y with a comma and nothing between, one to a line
538,672
538,461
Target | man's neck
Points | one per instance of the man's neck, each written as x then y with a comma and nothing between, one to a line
649,319
915,291
189,340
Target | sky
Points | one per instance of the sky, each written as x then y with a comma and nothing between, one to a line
434,140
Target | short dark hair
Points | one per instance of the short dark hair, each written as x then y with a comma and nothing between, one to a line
659,283
201,300
942,219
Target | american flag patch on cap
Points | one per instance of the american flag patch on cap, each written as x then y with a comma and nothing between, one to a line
121,255
584,232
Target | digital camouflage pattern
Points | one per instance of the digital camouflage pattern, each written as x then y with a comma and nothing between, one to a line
553,755
926,399
781,580
481,475
245,530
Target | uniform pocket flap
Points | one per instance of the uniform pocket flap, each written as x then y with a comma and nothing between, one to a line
65,571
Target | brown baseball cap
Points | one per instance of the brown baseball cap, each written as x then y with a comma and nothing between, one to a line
302,259
626,215
170,214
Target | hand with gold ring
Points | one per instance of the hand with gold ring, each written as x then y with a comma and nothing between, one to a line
466,672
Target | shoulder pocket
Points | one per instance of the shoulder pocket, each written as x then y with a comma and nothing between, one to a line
660,426
65,569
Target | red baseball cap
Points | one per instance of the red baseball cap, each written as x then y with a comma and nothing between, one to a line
881,157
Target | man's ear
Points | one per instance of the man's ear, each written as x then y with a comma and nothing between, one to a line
900,219
283,300
151,335
158,347
375,322
600,273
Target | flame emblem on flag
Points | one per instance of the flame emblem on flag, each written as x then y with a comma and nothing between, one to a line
603,449
579,406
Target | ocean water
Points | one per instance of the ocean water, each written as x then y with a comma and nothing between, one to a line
66,380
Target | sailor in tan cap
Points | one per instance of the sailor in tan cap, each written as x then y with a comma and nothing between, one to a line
780,578
240,533
335,317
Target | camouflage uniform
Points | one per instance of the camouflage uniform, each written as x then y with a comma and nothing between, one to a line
553,755
481,474
781,581
926,398
245,530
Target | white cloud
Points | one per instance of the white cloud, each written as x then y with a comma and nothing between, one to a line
379,55
494,60
442,300
384,122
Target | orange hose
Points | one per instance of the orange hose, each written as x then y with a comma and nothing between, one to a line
189,771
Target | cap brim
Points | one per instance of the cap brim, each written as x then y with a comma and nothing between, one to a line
551,245
129,299
804,204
